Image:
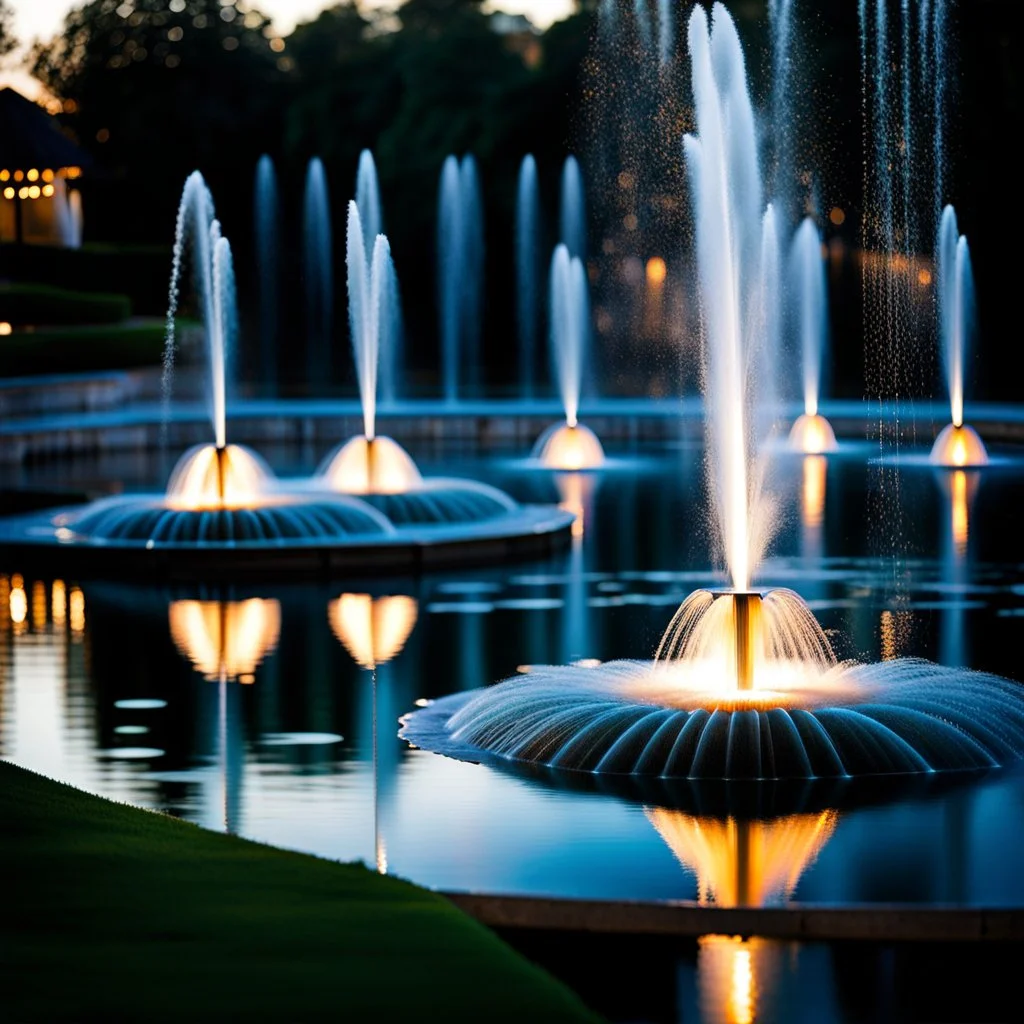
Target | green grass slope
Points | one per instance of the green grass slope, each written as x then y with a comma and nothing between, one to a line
116,914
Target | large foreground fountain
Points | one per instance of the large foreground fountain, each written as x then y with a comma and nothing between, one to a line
745,684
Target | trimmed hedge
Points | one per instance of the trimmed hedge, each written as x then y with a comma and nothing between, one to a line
81,350
141,272
44,304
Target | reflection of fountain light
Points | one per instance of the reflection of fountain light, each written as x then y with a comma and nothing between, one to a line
372,630
226,639
58,603
76,610
569,446
960,495
812,434
18,600
575,491
959,445
38,606
377,466
730,973
208,477
814,475
745,863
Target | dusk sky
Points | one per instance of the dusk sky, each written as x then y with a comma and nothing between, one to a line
40,19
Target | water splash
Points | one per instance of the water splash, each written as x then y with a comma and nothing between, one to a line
666,32
368,310
318,269
733,234
460,253
570,315
368,199
955,282
527,260
213,274
266,224
810,293
573,211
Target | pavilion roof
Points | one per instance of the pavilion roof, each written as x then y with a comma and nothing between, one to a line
30,137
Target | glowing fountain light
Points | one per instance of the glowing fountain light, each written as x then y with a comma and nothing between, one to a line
369,464
372,630
225,640
745,684
811,433
569,446
958,445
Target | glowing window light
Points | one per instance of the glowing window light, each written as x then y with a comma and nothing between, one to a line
72,172
837,216
35,192
924,278
48,175
5,175
5,328
48,191
38,605
33,174
9,192
19,175
23,192
58,603
76,610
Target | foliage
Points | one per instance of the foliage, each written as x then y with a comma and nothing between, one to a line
7,40
81,349
44,304
204,927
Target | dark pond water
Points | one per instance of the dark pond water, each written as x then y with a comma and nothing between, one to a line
116,688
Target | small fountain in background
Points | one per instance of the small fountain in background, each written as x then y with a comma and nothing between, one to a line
218,475
266,232
571,445
527,267
745,684
573,210
369,464
318,271
460,256
958,444
811,433
371,217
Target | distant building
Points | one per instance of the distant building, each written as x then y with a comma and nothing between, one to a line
39,169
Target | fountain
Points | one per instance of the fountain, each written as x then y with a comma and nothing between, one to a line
318,271
570,445
573,210
958,444
266,241
811,434
460,256
375,467
224,511
745,684
527,291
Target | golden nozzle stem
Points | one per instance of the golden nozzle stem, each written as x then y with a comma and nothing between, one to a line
747,622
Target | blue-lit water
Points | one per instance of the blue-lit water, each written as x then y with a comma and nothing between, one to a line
289,756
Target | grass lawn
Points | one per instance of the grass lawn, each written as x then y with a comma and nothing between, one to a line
115,914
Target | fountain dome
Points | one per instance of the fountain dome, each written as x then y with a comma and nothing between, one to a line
812,434
959,447
569,446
